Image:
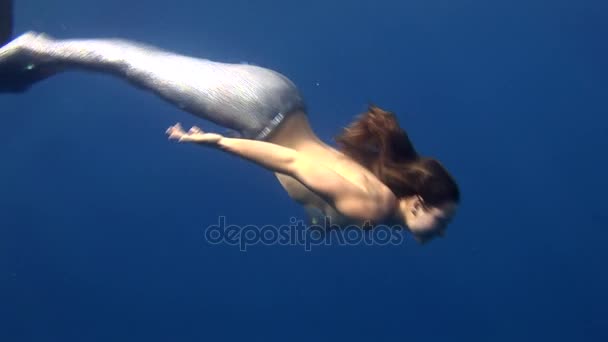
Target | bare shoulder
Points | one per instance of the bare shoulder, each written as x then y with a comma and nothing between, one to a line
382,199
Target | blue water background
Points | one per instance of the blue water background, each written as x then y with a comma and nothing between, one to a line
102,219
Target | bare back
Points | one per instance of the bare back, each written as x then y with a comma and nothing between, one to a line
296,133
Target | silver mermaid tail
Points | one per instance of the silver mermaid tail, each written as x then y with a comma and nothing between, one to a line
249,99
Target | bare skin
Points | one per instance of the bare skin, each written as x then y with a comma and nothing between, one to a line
312,172
307,173
318,176
296,133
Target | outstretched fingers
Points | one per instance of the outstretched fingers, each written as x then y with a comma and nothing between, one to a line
194,135
195,130
175,132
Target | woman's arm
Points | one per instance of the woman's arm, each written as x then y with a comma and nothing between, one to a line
348,198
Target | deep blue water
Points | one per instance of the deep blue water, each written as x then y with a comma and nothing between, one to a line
102,220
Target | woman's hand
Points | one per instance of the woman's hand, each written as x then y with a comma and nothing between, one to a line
194,135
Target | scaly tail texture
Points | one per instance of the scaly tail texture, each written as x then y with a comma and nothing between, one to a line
249,99
6,21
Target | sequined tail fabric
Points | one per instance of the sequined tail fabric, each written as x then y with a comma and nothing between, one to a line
248,99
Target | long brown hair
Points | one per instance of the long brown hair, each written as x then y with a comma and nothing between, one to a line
376,141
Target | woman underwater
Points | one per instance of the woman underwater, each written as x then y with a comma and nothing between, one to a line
375,175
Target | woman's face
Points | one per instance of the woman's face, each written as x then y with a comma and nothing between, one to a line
425,222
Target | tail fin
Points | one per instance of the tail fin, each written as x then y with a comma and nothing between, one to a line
6,21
